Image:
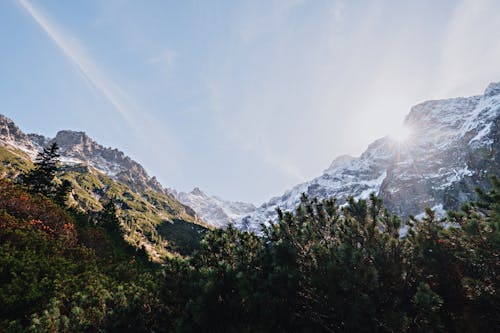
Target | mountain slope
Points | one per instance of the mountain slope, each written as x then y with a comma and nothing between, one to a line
98,173
214,210
453,147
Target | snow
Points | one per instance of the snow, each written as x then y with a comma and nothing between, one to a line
431,162
455,176
373,186
214,210
69,160
442,133
482,133
438,210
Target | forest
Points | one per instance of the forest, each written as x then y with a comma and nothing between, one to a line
324,267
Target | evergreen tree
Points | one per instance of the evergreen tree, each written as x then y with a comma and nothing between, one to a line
41,178
62,192
109,218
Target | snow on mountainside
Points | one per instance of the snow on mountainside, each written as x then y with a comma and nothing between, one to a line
10,134
212,209
453,147
78,148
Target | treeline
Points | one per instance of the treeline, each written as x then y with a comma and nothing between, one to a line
322,268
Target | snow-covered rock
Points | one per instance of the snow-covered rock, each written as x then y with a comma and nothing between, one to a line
212,209
452,148
78,148
10,134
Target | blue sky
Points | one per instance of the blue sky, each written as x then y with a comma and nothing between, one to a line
243,99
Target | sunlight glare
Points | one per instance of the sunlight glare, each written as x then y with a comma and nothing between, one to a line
401,134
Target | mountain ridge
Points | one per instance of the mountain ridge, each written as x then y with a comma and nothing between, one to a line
149,214
212,209
452,148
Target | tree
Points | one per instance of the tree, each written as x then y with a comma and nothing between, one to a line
41,178
62,192
109,218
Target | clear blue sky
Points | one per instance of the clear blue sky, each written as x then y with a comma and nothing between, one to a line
241,98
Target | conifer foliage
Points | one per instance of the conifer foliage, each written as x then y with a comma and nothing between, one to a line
41,178
324,268
320,268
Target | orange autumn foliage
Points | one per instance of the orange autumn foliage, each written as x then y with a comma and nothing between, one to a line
38,212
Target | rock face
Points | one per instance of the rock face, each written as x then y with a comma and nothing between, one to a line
452,148
10,134
79,148
151,218
214,210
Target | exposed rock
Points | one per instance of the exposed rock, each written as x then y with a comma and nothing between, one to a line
212,209
452,149
10,134
78,148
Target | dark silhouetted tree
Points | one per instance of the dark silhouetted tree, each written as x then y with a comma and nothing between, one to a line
62,192
41,178
108,217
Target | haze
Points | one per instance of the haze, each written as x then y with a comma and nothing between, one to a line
243,99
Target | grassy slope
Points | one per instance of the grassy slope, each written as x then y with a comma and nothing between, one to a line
13,161
152,220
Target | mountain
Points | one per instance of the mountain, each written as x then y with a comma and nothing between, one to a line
151,216
214,210
79,148
452,148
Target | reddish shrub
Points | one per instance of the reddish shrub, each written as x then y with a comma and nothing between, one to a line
37,211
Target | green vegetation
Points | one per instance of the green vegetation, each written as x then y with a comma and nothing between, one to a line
13,162
60,272
41,179
329,269
182,237
321,268
83,188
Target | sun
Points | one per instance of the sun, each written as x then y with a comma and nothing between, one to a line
401,134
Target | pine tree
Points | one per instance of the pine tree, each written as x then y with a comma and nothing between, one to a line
109,218
62,192
41,178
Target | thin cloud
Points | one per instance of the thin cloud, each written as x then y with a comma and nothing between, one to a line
86,68
140,122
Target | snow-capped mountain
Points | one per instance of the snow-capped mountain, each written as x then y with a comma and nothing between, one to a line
78,148
452,148
10,134
212,209
150,216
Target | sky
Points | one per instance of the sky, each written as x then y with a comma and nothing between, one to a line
243,99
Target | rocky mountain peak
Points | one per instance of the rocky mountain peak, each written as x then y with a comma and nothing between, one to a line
76,144
38,140
196,191
339,162
76,147
73,138
12,135
212,209
453,148
492,89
